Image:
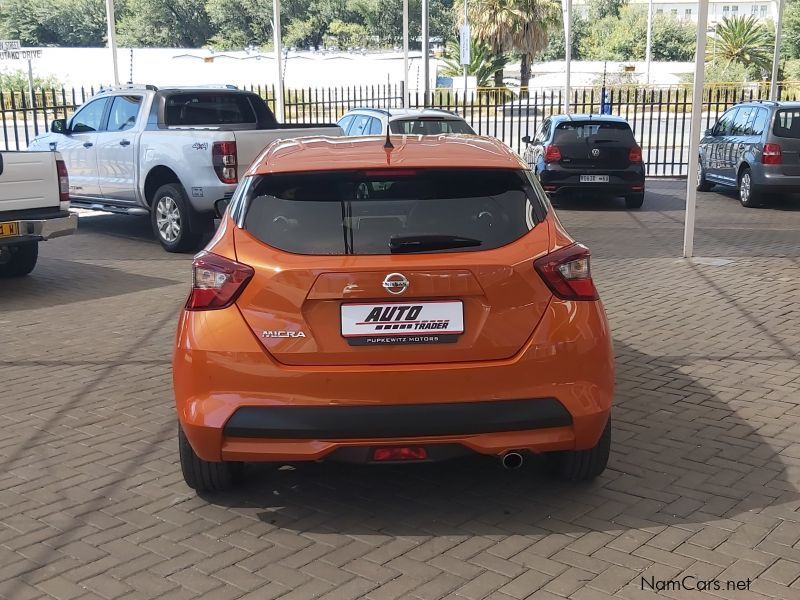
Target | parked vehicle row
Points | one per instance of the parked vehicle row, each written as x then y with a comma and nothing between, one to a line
34,207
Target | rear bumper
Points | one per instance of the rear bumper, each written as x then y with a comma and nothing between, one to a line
36,230
558,181
235,402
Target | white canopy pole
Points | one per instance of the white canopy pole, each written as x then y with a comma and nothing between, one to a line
112,33
567,10
406,94
649,45
276,42
426,67
694,136
776,59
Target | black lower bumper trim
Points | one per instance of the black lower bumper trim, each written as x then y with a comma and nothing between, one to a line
410,420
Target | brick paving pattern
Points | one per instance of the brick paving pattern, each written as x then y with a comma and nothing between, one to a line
704,477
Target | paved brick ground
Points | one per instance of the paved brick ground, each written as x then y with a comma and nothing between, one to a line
703,480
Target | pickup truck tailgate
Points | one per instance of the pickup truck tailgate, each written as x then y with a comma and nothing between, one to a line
28,180
250,143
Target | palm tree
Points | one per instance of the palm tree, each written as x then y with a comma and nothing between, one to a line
744,41
514,25
483,63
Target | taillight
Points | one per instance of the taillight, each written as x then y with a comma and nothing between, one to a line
223,156
772,154
552,154
400,453
566,272
635,154
216,281
63,181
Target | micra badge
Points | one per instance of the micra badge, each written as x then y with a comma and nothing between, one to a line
283,333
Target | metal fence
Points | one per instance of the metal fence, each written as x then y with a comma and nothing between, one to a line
659,115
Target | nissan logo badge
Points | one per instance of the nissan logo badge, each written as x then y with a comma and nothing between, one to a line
395,283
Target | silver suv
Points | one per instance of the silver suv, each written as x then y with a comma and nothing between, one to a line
408,121
755,147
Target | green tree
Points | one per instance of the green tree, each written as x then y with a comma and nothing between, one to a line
790,42
513,26
167,23
673,40
599,9
54,22
239,23
744,41
556,45
483,62
345,35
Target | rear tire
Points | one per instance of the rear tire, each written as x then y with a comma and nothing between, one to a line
749,196
18,260
202,475
633,201
174,223
703,185
582,465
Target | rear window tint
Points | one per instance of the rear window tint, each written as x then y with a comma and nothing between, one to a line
208,109
787,123
582,131
346,212
429,126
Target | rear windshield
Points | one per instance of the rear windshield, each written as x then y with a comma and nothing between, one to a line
429,126
585,131
208,108
383,212
787,123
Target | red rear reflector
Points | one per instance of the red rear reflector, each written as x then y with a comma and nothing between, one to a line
63,181
391,173
552,154
400,453
567,273
635,154
223,157
772,154
216,281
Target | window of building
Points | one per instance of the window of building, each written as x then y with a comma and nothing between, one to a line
659,11
735,9
763,11
726,10
754,10
687,13
674,12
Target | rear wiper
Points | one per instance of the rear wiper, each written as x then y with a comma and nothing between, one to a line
403,244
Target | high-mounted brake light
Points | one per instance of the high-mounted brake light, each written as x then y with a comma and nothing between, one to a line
635,154
223,157
567,273
552,154
391,173
63,181
216,281
772,154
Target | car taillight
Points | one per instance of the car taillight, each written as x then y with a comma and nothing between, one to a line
223,156
552,154
216,281
63,181
567,273
635,154
772,154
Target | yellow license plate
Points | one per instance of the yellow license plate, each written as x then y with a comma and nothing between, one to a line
9,229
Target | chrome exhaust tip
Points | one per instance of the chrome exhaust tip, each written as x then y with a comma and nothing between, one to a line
512,460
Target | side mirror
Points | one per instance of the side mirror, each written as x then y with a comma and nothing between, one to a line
59,126
220,206
526,139
709,132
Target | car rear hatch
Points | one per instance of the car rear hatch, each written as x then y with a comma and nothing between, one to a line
594,144
393,267
786,131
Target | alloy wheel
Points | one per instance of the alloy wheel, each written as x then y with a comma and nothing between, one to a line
744,188
168,219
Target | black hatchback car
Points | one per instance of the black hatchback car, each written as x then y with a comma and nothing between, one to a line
580,154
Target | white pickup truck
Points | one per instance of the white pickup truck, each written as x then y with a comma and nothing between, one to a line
171,153
34,206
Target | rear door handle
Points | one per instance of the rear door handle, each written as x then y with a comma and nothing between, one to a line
87,144
124,142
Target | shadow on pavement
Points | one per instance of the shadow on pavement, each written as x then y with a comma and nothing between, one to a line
680,456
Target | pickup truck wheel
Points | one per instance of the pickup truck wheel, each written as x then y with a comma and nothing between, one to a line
19,259
171,217
202,475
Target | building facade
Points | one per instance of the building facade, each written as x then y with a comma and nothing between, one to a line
717,9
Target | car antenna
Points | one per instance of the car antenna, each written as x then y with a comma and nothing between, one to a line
388,145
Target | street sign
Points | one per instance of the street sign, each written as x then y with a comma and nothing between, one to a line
465,58
11,50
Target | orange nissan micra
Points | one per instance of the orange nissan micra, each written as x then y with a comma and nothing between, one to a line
382,301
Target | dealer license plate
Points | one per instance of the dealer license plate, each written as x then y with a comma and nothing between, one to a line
9,229
393,323
594,178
